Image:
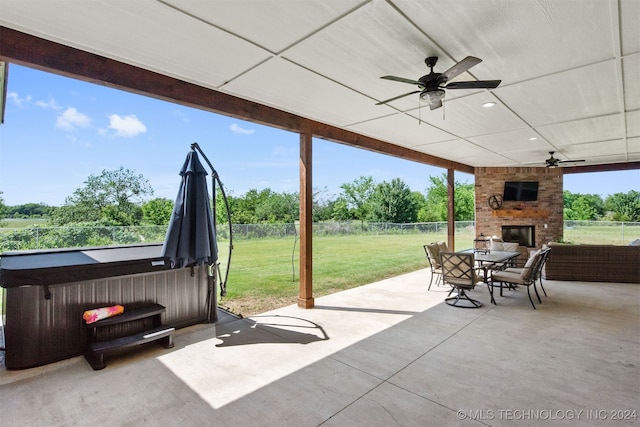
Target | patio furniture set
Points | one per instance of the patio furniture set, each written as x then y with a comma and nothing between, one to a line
493,265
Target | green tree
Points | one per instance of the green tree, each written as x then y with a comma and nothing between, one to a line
340,210
278,207
393,202
322,205
585,207
435,208
157,211
625,207
3,209
30,210
113,196
357,197
263,206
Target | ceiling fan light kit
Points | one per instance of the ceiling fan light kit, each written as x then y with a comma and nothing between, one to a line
432,96
432,86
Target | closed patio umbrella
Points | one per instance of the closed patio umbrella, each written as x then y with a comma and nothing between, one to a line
191,235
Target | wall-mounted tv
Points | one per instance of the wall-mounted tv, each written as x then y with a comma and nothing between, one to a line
520,191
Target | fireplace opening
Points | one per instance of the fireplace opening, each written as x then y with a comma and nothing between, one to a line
524,235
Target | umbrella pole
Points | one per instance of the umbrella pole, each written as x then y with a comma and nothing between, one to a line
215,268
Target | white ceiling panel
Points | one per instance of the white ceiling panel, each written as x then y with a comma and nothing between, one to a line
256,21
459,147
280,83
487,160
629,13
513,141
630,68
465,117
602,128
143,33
633,147
413,132
569,68
570,95
387,45
633,123
593,149
545,36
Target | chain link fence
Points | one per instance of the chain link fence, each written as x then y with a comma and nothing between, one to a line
42,237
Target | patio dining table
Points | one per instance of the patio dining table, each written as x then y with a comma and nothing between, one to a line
490,260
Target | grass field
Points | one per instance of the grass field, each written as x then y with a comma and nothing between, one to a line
263,277
594,232
23,223
264,272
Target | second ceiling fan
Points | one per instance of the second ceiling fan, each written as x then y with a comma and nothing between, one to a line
431,86
554,162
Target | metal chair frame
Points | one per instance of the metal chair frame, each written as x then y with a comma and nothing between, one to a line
434,263
526,276
459,271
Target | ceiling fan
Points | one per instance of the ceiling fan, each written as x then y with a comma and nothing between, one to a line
553,162
431,86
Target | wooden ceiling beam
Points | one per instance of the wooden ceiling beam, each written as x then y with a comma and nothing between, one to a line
611,167
45,55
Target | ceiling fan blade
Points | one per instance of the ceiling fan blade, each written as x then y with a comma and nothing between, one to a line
481,84
461,67
570,161
435,104
401,79
398,97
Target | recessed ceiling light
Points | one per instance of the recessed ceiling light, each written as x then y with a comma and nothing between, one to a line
488,104
533,138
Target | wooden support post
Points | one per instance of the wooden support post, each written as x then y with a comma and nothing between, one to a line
305,298
451,211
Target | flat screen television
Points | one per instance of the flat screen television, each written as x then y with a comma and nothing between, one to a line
520,191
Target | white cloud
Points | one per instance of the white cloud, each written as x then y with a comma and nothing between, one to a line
51,103
237,129
13,96
181,115
126,125
71,118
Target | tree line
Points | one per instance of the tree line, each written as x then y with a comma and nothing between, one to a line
123,198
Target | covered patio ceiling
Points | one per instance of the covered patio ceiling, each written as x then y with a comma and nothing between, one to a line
569,68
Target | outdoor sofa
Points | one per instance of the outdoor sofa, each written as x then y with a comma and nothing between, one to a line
594,263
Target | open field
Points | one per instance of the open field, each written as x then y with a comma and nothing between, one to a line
265,271
263,276
10,223
600,232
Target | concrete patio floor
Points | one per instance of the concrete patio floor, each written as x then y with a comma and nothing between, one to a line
385,354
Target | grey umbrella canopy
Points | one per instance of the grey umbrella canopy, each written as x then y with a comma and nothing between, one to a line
191,237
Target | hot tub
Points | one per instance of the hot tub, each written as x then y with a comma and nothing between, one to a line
46,292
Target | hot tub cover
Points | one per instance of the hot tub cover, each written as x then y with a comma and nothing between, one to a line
54,266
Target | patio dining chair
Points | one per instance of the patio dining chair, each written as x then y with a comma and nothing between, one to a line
459,271
525,276
432,252
545,251
497,244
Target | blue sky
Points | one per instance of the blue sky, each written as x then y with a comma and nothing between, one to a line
58,131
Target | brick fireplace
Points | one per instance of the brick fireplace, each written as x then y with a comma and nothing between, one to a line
542,217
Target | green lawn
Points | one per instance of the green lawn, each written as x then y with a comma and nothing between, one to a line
23,223
262,274
613,233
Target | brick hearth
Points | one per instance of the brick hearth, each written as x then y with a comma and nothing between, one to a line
546,213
